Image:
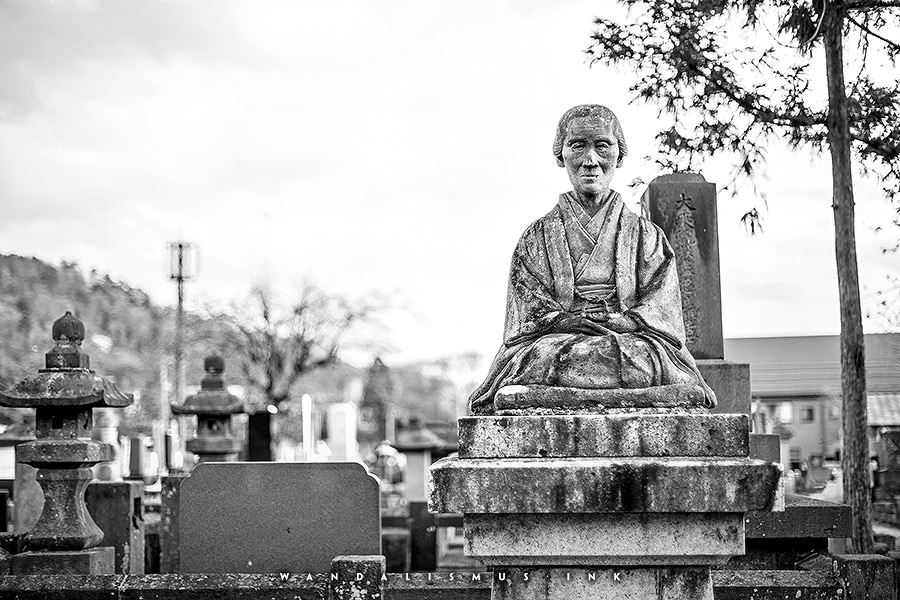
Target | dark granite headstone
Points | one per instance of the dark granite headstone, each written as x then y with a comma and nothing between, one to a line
277,517
117,508
395,543
683,205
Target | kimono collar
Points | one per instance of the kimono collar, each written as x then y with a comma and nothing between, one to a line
569,201
590,226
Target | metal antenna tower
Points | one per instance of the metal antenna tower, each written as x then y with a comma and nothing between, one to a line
182,267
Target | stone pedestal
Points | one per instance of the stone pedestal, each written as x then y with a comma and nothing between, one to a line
594,506
96,561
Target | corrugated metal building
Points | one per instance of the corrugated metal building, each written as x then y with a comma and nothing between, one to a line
796,381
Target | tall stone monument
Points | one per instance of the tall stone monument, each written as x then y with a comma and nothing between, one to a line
683,206
592,467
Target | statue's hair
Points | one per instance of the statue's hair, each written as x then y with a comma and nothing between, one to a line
588,110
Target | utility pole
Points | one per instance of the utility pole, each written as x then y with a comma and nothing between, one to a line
181,268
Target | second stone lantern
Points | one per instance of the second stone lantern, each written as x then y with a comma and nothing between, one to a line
214,406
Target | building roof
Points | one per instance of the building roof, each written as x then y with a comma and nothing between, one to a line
884,410
810,365
417,436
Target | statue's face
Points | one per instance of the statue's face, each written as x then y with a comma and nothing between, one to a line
590,153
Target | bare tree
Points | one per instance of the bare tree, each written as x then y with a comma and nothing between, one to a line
276,345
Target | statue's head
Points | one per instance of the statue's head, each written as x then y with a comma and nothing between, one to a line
590,144
593,112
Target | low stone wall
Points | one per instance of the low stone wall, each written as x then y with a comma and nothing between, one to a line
851,577
728,585
157,587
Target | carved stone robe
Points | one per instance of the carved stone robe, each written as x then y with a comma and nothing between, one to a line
568,267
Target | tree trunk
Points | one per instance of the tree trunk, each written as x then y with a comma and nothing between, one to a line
855,456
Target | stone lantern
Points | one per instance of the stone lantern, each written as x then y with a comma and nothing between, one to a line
64,394
214,407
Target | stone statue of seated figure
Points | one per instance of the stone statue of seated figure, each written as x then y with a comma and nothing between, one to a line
593,313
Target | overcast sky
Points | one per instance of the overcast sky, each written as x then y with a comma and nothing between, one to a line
398,146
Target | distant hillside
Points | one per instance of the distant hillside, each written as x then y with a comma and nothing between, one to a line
131,340
128,337
126,333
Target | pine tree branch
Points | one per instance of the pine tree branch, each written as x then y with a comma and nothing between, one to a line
749,105
877,146
872,33
871,4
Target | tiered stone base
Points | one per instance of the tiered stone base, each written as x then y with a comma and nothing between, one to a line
605,505
625,539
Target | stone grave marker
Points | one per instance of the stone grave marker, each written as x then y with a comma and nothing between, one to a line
683,205
276,517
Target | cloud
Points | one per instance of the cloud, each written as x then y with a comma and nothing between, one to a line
394,145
